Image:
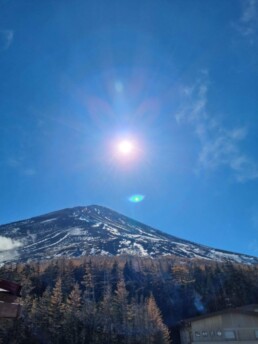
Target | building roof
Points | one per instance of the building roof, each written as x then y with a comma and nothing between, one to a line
248,310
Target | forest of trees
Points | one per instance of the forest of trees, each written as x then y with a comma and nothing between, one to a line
127,300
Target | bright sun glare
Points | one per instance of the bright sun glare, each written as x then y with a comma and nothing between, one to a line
125,147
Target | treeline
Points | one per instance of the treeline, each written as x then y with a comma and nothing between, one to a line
121,299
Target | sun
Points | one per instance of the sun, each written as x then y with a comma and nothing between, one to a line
126,151
125,147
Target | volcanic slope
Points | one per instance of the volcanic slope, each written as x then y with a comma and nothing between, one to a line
96,230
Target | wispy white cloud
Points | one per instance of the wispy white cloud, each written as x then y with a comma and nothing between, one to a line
7,244
9,248
7,256
29,171
220,146
247,24
6,39
249,11
13,162
20,165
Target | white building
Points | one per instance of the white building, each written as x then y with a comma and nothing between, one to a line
237,325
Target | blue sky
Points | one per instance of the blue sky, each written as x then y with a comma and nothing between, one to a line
179,78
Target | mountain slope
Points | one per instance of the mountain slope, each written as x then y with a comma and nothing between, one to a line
96,230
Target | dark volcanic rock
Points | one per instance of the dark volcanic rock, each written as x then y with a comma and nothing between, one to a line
95,230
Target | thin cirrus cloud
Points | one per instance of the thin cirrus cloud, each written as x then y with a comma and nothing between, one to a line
6,39
220,146
19,165
29,171
247,24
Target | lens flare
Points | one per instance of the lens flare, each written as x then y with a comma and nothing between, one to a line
136,198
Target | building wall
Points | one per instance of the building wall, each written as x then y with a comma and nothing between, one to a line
222,329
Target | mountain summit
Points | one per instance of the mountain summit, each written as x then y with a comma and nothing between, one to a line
96,230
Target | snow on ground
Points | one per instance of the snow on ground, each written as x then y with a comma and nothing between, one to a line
77,231
140,249
127,247
97,224
57,242
112,230
39,242
83,218
49,220
223,255
15,230
104,253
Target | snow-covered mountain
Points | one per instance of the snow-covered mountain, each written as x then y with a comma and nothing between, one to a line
95,230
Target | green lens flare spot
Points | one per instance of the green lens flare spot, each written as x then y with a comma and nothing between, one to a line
136,198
